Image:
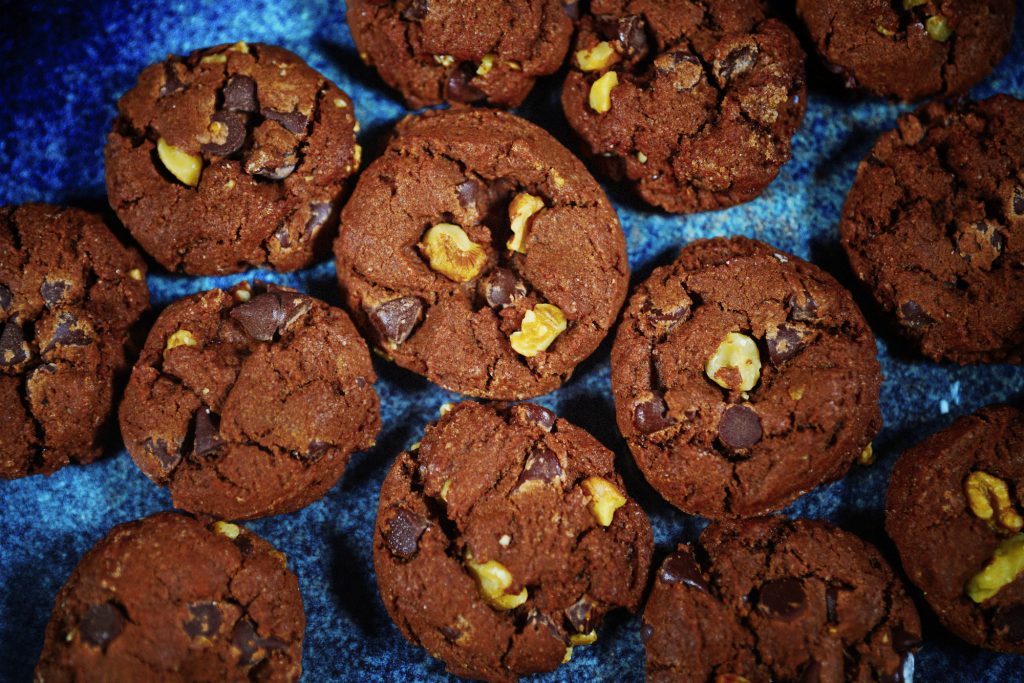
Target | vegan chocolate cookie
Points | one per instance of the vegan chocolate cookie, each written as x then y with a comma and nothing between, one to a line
694,103
503,538
954,511
934,226
171,598
249,402
776,600
232,157
743,377
479,252
910,49
435,51
69,293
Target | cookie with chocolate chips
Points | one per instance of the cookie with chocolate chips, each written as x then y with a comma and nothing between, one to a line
934,227
435,51
170,597
249,402
503,539
743,377
693,103
479,252
771,599
232,157
70,293
954,511
909,49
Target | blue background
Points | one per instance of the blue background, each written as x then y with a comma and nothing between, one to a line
62,67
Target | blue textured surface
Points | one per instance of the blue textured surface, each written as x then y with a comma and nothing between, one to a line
64,66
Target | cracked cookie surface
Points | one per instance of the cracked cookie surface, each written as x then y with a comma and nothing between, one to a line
69,295
946,533
472,305
497,545
706,98
934,227
912,49
249,402
743,377
171,598
231,157
777,600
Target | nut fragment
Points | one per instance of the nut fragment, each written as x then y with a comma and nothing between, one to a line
486,64
597,57
494,579
452,253
444,60
182,165
867,456
910,4
1006,565
736,363
520,211
180,338
540,327
601,92
605,499
227,529
583,638
989,497
938,28
135,274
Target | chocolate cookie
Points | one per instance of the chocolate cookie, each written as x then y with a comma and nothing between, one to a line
435,51
934,226
743,377
693,102
777,600
954,510
249,402
231,157
479,252
172,598
69,292
503,538
912,49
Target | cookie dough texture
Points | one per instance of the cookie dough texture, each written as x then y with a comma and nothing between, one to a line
743,448
934,227
473,169
942,542
249,402
274,140
708,96
777,600
172,598
909,49
435,51
69,294
510,488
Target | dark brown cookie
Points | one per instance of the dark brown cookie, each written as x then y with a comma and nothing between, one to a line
503,538
743,377
704,97
249,402
231,157
172,598
461,51
479,252
954,510
69,293
934,226
909,49
777,600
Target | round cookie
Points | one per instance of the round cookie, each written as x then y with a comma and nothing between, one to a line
69,293
249,402
954,504
777,600
435,51
169,598
503,538
232,157
934,226
912,49
479,252
743,377
704,98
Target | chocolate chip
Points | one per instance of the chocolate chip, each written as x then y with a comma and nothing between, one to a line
904,641
272,172
631,32
293,305
537,415
783,598
207,434
284,238
502,288
740,428
13,349
316,449
459,85
68,332
666,316
538,619
53,291
260,317
250,646
167,458
318,214
1008,623
651,416
403,533
682,568
234,138
172,83
913,315
6,298
811,672
783,343
294,122
1018,201
582,615
395,320
469,192
646,632
101,624
737,62
450,633
831,599
542,465
240,94
802,309
417,10
571,9
204,619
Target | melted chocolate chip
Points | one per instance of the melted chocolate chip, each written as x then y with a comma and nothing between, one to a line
802,309
542,465
736,63
395,320
234,138
1008,623
417,10
318,215
167,458
650,416
293,306
811,672
13,349
831,600
667,317
469,192
250,646
740,428
6,298
682,568
403,533
68,332
172,83
631,32
204,619
502,288
284,238
783,343
913,315
53,291
260,317
460,88
240,94
582,615
101,624
207,434
316,450
294,122
531,413
783,598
